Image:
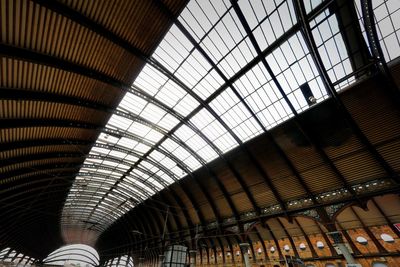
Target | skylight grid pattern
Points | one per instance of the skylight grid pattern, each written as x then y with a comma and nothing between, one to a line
173,49
332,48
193,69
194,141
262,96
181,153
268,20
234,113
387,18
200,16
292,65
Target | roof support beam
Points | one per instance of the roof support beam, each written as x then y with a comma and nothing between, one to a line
44,59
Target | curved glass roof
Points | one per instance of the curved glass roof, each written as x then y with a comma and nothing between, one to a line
205,90
73,255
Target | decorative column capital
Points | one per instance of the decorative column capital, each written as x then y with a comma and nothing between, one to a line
337,237
244,247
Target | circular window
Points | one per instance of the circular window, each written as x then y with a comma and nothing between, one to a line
387,238
362,240
286,247
302,246
320,245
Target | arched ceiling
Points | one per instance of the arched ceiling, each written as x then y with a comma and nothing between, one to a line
209,113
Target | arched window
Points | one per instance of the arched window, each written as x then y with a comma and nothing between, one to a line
302,246
286,247
320,245
387,238
72,255
4,252
362,240
272,249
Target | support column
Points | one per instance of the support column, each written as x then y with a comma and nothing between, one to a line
141,262
161,260
192,258
338,241
244,247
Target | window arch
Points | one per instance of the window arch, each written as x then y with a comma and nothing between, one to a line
81,254
362,240
387,238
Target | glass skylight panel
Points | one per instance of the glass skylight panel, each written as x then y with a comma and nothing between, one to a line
332,49
199,16
228,106
387,18
127,143
118,154
168,122
152,113
311,4
295,70
193,69
107,139
186,105
237,58
132,103
138,129
213,130
265,100
175,97
208,85
150,80
173,49
119,122
170,94
181,153
156,183
277,19
99,151
144,185
167,162
134,190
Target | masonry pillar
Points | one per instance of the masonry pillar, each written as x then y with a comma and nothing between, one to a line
338,241
161,260
244,247
192,258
